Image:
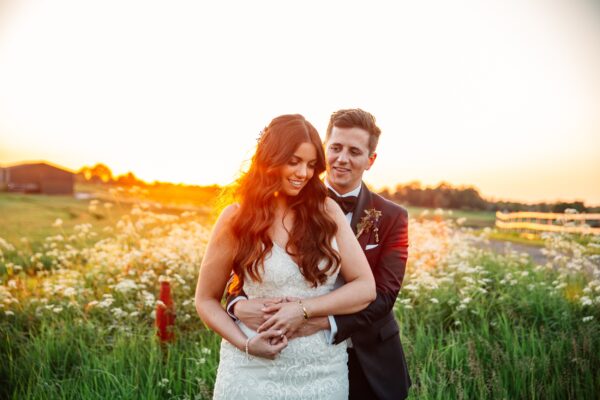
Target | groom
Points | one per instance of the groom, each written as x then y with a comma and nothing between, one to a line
376,363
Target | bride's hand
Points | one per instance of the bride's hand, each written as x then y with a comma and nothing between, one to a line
264,345
288,317
251,313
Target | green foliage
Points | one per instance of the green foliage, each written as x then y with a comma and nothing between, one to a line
467,218
78,359
76,320
445,195
32,217
520,339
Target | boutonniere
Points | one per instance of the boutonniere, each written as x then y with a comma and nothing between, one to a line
369,223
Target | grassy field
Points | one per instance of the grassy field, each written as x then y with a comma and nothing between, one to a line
27,221
32,217
77,314
474,219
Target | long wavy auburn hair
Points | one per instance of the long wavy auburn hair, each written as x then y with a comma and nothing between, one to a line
313,231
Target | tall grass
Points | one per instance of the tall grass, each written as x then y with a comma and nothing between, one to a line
512,342
77,315
83,361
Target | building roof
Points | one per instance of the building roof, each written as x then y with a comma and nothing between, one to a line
32,163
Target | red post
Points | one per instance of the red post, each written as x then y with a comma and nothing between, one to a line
165,314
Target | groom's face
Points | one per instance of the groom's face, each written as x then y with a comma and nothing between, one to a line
347,152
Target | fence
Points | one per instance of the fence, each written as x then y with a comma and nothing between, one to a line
549,222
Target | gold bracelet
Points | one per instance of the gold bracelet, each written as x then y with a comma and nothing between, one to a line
305,313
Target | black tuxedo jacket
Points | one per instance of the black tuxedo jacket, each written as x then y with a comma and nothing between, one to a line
374,331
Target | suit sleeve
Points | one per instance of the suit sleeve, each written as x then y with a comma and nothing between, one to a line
388,273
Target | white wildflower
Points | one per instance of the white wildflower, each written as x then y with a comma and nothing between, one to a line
125,286
106,302
118,312
163,382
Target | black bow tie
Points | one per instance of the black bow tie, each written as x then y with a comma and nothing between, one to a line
348,203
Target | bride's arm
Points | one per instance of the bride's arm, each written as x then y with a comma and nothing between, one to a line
355,295
359,290
214,274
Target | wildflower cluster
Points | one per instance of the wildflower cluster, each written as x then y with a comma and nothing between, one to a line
115,279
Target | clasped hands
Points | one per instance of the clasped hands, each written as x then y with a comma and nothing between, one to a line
277,320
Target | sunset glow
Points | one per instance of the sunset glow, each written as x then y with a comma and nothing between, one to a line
503,95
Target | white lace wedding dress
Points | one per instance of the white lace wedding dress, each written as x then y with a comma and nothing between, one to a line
308,368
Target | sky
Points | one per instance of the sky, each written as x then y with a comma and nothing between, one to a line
503,95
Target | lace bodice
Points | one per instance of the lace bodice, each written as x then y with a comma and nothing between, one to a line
282,277
308,368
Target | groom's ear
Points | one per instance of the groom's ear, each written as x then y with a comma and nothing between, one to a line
372,158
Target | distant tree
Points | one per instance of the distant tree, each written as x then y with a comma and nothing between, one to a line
99,173
128,179
562,206
103,172
85,172
444,195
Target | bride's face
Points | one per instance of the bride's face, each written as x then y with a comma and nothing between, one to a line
296,173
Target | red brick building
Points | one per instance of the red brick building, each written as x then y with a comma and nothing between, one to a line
39,177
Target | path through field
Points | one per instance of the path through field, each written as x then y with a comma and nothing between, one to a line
535,252
504,247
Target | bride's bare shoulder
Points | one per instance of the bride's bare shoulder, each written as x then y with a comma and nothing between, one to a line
333,209
231,210
226,217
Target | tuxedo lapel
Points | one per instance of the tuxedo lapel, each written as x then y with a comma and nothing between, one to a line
363,203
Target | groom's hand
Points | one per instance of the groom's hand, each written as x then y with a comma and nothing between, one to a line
251,312
287,317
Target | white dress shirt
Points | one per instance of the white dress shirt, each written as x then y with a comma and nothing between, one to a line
330,335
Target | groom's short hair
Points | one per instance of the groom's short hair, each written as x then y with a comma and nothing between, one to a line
355,118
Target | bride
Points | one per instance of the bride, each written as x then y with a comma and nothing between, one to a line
284,238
